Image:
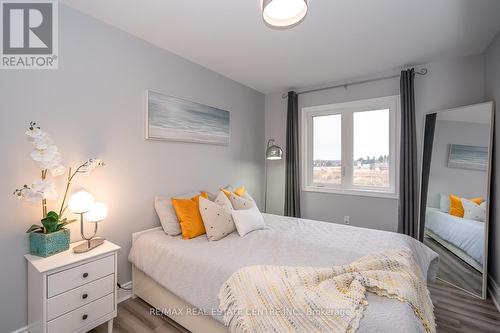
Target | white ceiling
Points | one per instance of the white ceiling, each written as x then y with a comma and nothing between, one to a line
339,39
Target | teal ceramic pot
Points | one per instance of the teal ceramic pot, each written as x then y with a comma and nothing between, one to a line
45,245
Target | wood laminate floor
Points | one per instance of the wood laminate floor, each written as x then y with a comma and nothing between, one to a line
455,311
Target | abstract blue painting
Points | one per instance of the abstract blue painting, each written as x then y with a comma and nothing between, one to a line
176,119
468,157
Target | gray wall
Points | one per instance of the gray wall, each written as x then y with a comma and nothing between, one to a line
492,69
448,84
93,105
461,182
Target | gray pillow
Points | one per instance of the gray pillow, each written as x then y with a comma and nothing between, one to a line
166,213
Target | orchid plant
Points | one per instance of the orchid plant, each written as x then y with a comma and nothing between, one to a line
46,155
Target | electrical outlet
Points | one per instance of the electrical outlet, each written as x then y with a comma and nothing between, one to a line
347,219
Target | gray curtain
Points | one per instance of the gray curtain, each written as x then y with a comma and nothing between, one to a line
408,181
292,180
430,126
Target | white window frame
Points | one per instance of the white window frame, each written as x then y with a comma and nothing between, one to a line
347,110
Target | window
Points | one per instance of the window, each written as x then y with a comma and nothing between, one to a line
351,148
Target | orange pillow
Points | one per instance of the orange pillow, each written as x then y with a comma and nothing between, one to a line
240,191
456,207
188,214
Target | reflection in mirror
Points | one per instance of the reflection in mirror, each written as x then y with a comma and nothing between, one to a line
454,208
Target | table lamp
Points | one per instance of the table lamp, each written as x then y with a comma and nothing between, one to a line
83,203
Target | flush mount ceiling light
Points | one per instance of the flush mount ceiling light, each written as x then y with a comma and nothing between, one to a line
282,14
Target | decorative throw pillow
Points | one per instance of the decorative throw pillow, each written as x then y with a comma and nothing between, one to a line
456,207
240,203
248,220
217,218
166,213
223,200
473,211
247,195
188,213
239,191
444,203
210,195
240,198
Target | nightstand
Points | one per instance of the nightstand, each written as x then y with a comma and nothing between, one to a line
71,292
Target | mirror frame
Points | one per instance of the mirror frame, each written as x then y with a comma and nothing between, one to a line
488,193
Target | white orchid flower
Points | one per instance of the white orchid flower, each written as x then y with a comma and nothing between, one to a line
33,132
32,196
46,188
28,194
53,163
42,141
44,155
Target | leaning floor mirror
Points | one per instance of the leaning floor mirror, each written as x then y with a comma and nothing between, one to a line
455,193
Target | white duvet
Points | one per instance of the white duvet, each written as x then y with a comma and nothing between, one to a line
467,235
195,269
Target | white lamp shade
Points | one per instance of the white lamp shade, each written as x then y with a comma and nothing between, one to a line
98,212
81,202
284,13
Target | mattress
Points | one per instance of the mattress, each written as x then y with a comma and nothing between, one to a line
467,235
195,269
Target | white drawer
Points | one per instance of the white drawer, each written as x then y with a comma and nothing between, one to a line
60,282
82,316
80,296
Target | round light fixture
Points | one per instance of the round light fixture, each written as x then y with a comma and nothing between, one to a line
98,212
81,202
273,152
283,13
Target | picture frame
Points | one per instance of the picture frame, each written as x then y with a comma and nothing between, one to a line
468,157
171,118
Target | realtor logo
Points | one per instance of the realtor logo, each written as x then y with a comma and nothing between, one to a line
29,38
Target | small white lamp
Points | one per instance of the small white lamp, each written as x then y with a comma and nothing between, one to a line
98,213
83,203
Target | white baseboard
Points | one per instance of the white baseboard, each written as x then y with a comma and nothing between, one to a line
494,290
22,330
121,296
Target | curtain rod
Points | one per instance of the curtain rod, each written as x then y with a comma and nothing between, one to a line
422,71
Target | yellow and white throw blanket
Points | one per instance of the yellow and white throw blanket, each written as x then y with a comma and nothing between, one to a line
310,299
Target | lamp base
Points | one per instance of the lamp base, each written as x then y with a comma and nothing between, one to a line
88,245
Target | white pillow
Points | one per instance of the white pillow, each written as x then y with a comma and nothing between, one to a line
247,195
444,202
223,200
244,202
216,218
248,220
473,211
166,213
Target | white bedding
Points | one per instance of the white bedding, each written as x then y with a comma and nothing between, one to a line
467,235
195,269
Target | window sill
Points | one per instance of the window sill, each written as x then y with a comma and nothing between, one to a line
362,193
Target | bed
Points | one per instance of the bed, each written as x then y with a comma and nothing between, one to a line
463,237
182,277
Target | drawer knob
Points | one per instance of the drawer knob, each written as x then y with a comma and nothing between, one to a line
84,296
84,317
85,275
